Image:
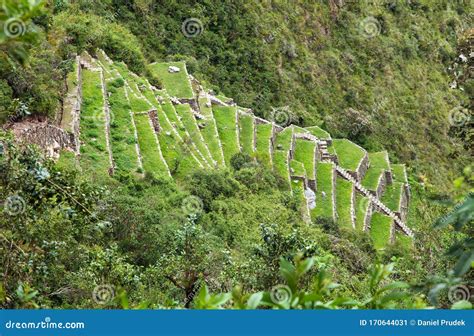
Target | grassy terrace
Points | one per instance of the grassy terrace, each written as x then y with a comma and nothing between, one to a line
283,139
399,173
378,165
361,207
280,164
137,103
264,134
297,168
324,204
209,133
349,154
189,121
379,160
177,84
246,124
343,202
177,122
392,195
175,154
94,155
225,117
122,135
298,192
318,132
305,153
126,74
380,226
149,148
280,152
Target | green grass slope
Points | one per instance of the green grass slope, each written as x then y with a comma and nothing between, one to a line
122,133
94,156
189,121
324,203
348,153
247,124
343,203
305,153
380,227
177,84
225,117
264,135
378,165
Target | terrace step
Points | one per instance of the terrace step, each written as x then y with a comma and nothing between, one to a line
376,202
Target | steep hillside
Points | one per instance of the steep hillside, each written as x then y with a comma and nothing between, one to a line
187,145
386,60
126,125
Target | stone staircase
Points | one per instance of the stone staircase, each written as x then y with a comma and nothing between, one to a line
382,207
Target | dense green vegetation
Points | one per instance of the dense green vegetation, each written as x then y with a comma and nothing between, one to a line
67,227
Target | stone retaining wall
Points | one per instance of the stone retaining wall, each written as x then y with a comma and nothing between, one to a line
51,139
362,168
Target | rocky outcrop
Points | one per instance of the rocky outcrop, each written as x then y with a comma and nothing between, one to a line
51,139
